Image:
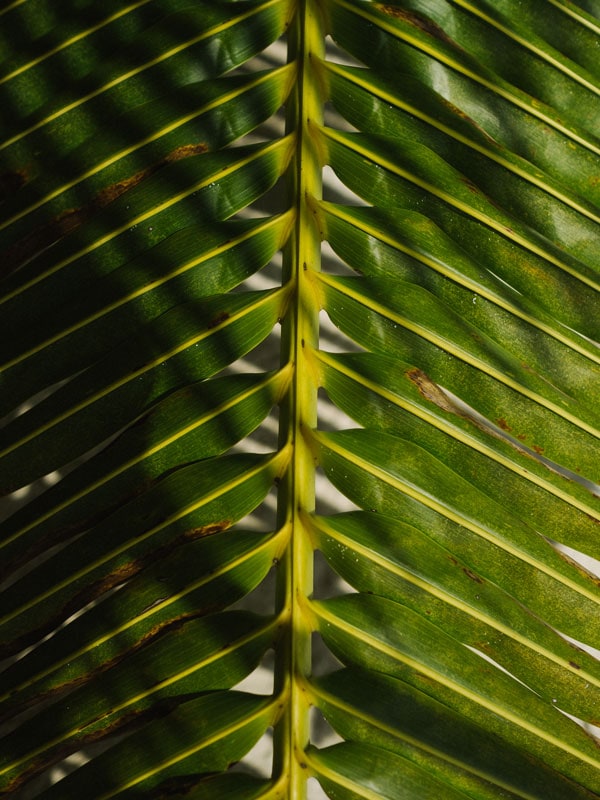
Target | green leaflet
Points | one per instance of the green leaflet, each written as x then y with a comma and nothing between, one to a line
423,731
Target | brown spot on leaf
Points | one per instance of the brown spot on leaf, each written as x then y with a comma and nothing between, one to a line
575,665
582,571
221,317
472,575
539,450
206,530
185,151
151,636
502,423
66,532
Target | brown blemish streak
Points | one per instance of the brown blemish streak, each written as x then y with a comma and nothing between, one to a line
128,722
65,532
470,185
432,392
206,530
470,121
123,573
472,575
70,220
153,635
417,20
469,573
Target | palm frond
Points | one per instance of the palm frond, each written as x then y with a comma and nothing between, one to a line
159,231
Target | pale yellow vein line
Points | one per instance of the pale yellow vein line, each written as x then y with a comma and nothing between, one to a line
12,6
265,298
479,288
510,94
137,71
441,507
274,222
459,352
526,44
140,696
317,693
504,230
279,380
267,711
218,103
273,463
285,145
271,544
402,573
505,713
518,167
73,40
456,433
577,14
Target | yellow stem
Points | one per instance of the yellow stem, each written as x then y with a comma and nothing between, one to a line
299,410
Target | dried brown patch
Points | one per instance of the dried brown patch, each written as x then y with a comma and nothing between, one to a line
502,423
129,721
66,532
155,633
72,219
185,151
430,390
582,571
123,573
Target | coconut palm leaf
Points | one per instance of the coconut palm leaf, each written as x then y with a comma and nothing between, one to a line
167,459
